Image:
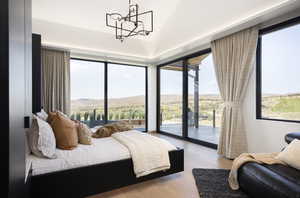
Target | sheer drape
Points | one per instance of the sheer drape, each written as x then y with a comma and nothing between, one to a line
234,58
56,80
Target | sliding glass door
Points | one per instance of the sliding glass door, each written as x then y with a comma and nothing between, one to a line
204,101
190,105
127,94
171,98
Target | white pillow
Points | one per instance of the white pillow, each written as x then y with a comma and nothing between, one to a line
41,139
291,154
42,115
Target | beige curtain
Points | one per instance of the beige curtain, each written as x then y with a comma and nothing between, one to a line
234,58
56,80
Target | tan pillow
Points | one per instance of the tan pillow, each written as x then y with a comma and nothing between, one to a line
51,116
84,134
64,130
109,129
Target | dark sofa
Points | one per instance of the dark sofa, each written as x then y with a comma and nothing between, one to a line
275,181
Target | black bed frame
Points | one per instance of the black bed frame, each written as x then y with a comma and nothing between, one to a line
91,180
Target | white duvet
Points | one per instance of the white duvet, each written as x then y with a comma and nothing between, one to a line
101,151
149,154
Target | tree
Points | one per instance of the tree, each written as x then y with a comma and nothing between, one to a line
92,116
86,116
78,116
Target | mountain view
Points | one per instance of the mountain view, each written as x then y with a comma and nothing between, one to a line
273,106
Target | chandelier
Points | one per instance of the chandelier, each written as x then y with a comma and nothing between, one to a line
133,24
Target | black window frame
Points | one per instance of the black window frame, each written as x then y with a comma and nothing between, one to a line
106,63
184,136
264,31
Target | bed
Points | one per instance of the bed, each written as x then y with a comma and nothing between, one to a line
91,169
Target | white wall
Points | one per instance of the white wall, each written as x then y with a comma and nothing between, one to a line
152,98
263,135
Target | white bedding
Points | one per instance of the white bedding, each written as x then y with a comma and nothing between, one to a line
102,150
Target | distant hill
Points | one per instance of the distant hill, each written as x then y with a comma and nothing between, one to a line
86,103
89,104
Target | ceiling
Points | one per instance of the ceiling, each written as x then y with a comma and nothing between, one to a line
179,25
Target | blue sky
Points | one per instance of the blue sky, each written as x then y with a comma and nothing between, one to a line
280,68
87,80
281,61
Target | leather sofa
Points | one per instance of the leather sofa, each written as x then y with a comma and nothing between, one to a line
274,181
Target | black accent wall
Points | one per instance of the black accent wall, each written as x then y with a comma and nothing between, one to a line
36,73
15,86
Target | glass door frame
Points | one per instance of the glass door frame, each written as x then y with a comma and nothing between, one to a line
185,87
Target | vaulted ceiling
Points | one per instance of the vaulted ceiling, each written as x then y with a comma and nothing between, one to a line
179,25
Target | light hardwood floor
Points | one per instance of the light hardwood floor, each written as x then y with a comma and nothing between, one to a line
179,185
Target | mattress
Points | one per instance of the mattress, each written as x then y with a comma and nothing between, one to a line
101,151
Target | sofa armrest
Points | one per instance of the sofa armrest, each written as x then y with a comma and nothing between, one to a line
291,136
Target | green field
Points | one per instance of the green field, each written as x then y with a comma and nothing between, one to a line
132,108
285,107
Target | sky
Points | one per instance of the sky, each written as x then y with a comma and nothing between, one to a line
280,72
87,80
281,61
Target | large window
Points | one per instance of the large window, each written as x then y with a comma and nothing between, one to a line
127,94
105,92
87,91
278,72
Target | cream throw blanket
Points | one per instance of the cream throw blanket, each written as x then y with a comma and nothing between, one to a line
261,158
149,154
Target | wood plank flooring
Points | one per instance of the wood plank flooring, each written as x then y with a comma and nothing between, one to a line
179,185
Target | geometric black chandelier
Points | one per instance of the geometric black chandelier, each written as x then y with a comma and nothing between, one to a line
132,24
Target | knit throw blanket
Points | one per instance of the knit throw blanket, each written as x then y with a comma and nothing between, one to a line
261,158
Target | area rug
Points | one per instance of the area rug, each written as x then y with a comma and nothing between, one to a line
212,183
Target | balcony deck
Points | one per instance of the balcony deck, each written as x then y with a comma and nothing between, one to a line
203,133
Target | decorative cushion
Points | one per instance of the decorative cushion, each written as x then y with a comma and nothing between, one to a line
51,116
41,139
84,133
64,130
109,129
42,115
291,154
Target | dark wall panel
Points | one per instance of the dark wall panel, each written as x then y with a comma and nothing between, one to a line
36,73
5,93
15,59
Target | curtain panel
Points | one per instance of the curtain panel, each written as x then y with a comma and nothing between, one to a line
234,58
56,80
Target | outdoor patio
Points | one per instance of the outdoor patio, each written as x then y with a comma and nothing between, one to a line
203,133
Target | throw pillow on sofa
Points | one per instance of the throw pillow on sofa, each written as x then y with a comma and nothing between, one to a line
291,154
